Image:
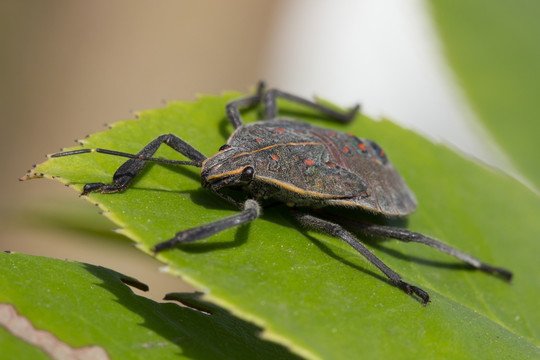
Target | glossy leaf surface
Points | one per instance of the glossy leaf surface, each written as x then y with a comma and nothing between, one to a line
313,293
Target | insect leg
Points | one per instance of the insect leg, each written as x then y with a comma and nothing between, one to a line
271,110
337,230
233,108
250,212
127,171
410,236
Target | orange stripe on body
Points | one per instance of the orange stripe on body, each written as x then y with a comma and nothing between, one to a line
272,146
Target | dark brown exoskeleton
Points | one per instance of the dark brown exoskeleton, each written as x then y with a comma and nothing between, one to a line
305,167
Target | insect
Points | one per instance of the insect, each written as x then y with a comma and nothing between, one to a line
304,166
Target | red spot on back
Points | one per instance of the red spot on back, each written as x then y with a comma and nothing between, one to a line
258,140
346,149
281,130
349,134
332,134
275,157
362,147
309,162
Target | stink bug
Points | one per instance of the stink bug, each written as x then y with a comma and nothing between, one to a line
307,167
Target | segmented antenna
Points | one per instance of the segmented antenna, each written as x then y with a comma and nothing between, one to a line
127,155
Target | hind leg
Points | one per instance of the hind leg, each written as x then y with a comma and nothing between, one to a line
336,230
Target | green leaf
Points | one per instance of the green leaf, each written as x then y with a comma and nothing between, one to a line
80,307
493,47
314,293
16,348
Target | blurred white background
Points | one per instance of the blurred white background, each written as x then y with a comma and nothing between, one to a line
384,54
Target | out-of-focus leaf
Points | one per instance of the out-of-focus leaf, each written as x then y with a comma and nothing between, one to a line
76,306
493,47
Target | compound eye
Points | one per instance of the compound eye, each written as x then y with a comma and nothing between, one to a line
224,147
247,174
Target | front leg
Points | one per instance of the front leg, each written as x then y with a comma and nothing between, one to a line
271,108
251,211
269,100
125,174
